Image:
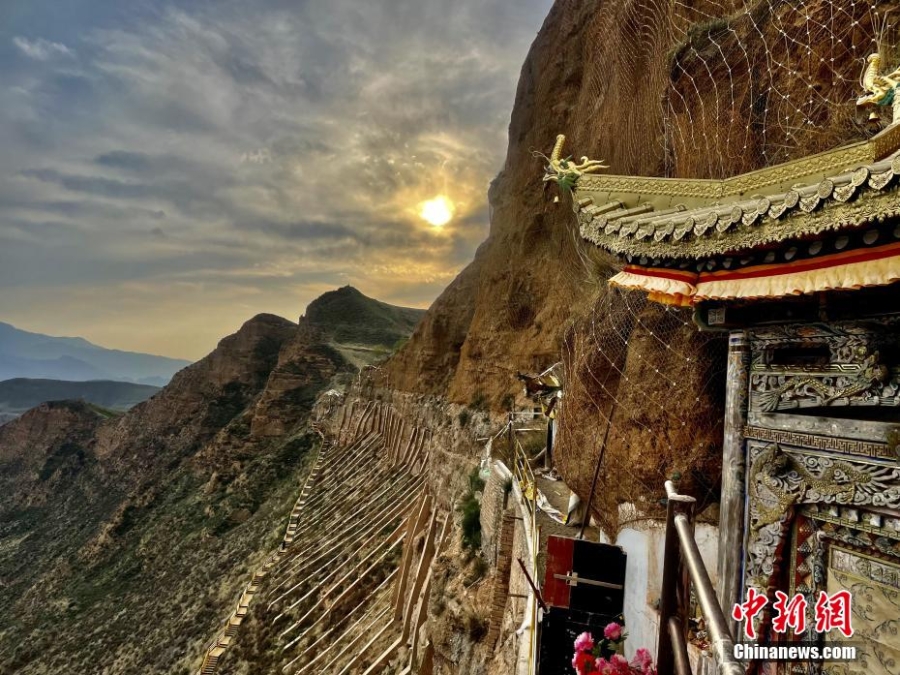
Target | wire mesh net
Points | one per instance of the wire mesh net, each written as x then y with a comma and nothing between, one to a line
712,88
644,389
719,87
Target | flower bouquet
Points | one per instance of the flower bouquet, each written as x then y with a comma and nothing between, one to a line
601,657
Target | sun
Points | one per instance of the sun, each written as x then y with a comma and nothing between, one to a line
437,212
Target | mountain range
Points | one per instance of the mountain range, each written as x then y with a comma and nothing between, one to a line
129,533
21,394
24,354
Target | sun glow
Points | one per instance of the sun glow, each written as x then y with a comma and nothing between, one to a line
436,212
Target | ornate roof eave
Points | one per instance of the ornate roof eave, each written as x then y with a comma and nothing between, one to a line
698,234
749,237
693,219
633,224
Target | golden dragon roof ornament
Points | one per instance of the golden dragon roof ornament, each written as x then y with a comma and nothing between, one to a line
565,172
880,89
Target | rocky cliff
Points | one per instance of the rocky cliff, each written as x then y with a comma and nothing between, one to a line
125,537
130,528
652,89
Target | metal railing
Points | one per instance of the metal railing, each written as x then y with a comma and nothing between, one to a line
525,489
683,566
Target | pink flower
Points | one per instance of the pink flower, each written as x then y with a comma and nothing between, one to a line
643,662
613,631
602,666
584,642
620,665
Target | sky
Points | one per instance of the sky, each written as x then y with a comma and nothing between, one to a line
170,169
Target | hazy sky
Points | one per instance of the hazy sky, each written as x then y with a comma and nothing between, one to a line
169,169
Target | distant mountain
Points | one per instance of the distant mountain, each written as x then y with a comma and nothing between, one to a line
19,395
35,356
99,512
348,317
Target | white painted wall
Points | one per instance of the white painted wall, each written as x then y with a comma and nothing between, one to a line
643,542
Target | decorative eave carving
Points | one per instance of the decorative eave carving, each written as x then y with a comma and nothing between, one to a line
880,88
564,171
671,218
864,195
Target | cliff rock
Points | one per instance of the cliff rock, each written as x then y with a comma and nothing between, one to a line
679,90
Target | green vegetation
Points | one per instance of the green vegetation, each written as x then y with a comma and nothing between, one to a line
180,532
476,627
470,508
479,402
464,416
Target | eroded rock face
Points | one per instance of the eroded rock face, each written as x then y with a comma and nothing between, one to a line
619,82
204,397
305,365
49,443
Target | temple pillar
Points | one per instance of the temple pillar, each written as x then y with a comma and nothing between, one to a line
731,514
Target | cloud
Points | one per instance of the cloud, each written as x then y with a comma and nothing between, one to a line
277,149
41,49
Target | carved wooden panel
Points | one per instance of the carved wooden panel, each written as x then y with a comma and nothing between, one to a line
822,447
826,367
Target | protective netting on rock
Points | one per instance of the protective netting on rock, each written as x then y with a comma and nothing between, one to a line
646,388
703,89
719,87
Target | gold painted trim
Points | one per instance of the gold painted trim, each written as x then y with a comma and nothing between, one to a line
819,444
868,208
820,165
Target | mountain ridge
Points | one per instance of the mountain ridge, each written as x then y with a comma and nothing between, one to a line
20,394
184,491
373,321
27,354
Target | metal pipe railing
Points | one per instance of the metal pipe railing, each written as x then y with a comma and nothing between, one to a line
680,545
681,662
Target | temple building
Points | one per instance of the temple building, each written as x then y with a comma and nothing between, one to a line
797,262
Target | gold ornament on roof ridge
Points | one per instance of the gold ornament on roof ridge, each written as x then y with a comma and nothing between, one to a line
563,170
880,89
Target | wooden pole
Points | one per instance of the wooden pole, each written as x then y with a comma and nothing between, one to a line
731,515
587,515
534,588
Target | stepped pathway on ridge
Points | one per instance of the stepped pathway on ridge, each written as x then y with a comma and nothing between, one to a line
330,599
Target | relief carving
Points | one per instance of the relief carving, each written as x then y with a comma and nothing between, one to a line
847,370
778,481
823,388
